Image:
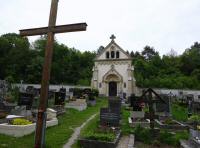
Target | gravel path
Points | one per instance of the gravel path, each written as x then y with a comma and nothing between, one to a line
77,132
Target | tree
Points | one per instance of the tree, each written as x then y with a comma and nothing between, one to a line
149,52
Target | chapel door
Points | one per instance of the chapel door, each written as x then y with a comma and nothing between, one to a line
112,88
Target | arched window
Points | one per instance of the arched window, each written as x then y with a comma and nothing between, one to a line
107,55
117,54
112,54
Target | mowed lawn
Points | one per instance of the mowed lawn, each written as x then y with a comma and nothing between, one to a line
58,135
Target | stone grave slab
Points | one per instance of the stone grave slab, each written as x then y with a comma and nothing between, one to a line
79,104
51,113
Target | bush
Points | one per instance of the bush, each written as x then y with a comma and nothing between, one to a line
179,113
95,92
143,134
172,139
20,121
167,138
194,118
101,136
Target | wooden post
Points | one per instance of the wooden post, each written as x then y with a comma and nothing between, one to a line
50,31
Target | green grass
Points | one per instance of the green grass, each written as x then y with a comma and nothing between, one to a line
172,139
125,127
58,135
179,113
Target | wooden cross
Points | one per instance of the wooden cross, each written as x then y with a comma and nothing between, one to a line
50,31
147,95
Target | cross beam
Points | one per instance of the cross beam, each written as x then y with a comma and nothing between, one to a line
50,31
56,29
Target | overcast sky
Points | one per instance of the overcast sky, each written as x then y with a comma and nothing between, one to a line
163,24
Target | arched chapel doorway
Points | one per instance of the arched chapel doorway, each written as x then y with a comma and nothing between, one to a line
113,83
112,91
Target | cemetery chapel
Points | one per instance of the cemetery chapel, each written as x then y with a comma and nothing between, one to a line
113,71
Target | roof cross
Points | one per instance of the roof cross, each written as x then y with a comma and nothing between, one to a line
112,37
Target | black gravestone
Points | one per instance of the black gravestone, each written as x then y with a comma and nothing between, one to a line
26,99
135,102
114,104
58,99
77,92
62,93
109,118
89,93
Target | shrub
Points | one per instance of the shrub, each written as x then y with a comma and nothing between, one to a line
194,118
172,139
20,121
95,92
102,136
179,113
167,138
143,134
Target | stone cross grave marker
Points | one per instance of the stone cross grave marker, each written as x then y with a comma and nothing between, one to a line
50,31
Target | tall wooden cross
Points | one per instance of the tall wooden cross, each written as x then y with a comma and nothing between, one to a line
50,31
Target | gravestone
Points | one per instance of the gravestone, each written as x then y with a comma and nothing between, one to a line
59,100
135,102
77,92
190,100
62,93
109,118
59,103
26,99
114,104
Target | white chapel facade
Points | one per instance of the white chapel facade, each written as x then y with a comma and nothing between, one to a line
113,71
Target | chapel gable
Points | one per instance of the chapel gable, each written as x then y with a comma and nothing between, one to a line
112,51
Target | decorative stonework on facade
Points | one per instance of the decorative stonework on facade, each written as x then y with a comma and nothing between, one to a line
113,71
